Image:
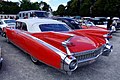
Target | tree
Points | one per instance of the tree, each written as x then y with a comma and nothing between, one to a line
86,8
112,7
106,8
9,7
44,6
25,5
69,9
61,10
73,7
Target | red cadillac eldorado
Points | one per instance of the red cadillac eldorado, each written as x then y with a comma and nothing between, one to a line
53,43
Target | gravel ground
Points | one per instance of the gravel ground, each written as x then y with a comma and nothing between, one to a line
18,66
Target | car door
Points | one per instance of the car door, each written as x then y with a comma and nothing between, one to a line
11,34
20,37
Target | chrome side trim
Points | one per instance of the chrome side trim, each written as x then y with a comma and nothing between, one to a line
71,35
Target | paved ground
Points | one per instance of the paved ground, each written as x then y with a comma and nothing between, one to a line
18,66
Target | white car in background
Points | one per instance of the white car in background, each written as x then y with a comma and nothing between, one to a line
6,23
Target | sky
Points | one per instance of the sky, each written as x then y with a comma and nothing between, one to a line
53,3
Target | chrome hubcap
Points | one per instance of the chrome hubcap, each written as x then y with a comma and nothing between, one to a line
34,59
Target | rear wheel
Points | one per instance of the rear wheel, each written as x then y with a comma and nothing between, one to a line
34,60
3,34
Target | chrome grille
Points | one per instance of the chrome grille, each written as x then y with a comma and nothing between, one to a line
88,54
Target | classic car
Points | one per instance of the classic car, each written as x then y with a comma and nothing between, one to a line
1,59
55,44
6,23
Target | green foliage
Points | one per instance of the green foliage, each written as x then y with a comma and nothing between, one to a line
14,8
61,10
85,8
25,5
73,7
45,6
9,8
106,8
92,8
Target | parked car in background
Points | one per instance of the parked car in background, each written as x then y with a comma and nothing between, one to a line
55,44
88,27
34,13
6,23
69,21
102,23
1,59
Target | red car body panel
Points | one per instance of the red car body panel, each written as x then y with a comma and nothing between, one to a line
34,48
58,38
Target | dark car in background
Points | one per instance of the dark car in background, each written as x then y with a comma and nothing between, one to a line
69,21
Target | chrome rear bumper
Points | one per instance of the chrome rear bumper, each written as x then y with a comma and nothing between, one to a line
90,56
107,49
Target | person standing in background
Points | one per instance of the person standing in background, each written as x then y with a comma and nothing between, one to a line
109,24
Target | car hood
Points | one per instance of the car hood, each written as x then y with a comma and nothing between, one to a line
77,41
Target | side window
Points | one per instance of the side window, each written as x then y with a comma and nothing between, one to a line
24,27
18,25
20,14
21,26
31,14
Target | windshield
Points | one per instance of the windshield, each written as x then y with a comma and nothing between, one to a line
41,14
53,27
72,23
9,21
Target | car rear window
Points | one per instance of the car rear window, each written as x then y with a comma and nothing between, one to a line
53,27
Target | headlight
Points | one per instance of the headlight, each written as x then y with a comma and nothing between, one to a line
73,65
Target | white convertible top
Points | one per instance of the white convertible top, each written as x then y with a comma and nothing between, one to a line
32,23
